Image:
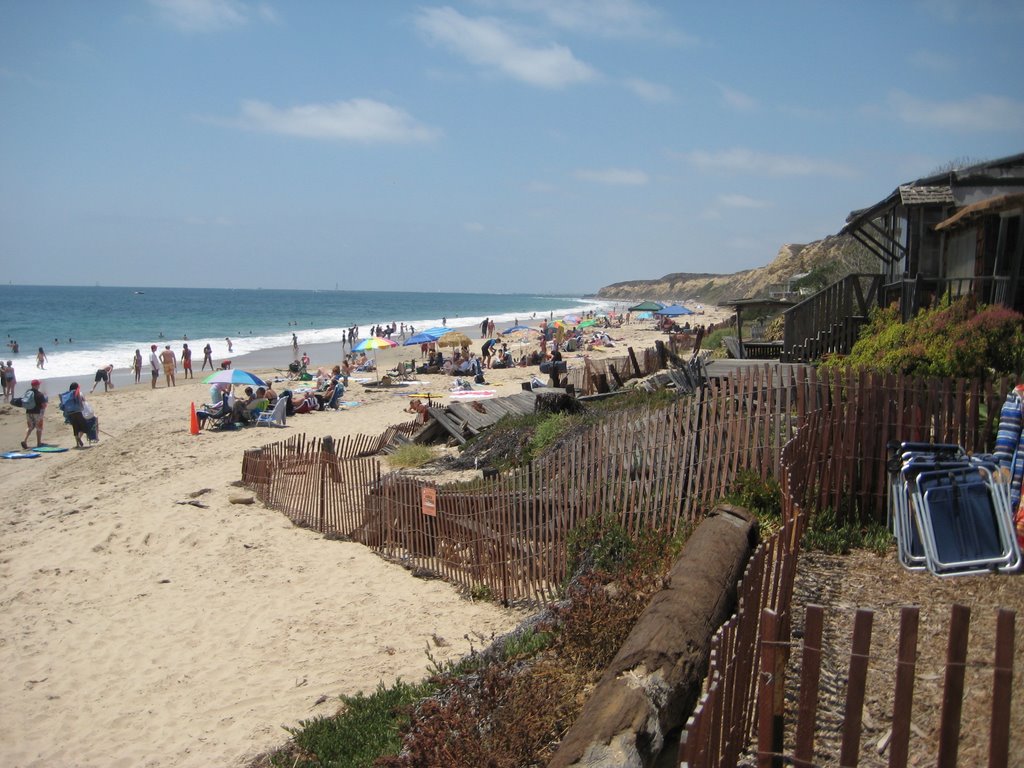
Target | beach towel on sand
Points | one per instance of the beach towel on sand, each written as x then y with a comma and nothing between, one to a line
474,394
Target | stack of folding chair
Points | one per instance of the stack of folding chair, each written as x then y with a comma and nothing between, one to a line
950,512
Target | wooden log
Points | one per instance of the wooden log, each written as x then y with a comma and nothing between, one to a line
655,679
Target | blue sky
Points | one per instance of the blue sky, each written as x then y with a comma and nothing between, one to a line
493,145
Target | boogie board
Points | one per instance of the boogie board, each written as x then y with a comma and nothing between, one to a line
19,455
49,449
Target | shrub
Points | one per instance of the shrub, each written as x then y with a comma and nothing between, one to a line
367,727
411,455
955,340
833,534
763,498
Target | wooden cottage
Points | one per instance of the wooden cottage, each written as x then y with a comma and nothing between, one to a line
952,234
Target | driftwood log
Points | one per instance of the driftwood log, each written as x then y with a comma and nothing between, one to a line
654,681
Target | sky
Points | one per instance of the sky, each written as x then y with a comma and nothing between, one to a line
497,146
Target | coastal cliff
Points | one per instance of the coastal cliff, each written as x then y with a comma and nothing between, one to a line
822,262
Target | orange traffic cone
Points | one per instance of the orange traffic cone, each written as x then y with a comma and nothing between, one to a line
193,422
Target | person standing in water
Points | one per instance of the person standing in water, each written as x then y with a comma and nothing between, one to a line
231,347
137,365
41,358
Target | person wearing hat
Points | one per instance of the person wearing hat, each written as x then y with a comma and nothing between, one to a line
154,364
34,414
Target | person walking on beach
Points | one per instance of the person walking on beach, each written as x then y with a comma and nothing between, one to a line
231,347
41,358
490,329
170,364
295,345
9,380
137,365
207,357
483,327
34,414
186,361
154,364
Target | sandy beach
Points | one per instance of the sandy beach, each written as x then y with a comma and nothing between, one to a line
139,630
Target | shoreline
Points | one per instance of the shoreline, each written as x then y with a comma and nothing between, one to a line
267,359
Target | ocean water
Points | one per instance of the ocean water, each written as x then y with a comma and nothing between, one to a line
84,328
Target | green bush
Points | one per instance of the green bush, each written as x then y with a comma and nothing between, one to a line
366,728
832,534
411,455
763,498
955,340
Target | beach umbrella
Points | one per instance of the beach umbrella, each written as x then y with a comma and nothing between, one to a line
673,311
235,376
419,338
646,306
454,339
372,344
437,332
587,323
571,319
517,329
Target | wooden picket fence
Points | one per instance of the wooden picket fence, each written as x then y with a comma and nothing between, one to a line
836,459
823,437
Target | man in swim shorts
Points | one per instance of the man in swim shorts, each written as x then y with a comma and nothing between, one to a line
186,361
104,375
170,364
34,416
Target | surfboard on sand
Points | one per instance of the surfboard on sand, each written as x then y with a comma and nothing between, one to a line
19,455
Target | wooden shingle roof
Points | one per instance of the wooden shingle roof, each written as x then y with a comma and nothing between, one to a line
925,195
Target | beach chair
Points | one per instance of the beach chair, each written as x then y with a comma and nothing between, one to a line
332,403
276,416
404,371
215,417
950,512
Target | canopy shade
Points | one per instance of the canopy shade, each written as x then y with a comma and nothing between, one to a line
674,311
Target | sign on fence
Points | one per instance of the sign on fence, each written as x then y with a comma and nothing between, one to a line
428,499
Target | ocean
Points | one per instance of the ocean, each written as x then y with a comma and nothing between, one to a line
84,328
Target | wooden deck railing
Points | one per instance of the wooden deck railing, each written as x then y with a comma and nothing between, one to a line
830,320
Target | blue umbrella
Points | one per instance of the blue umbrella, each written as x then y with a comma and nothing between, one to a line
437,332
674,311
518,329
235,376
418,338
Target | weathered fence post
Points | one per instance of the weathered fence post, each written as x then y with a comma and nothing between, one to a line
953,688
769,725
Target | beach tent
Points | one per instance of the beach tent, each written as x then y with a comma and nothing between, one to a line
674,311
646,306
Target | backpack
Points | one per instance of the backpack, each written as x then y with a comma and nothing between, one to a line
69,403
28,400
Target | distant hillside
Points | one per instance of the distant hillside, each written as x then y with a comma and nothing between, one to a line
824,261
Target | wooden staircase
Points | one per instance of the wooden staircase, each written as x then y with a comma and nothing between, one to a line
829,321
